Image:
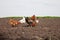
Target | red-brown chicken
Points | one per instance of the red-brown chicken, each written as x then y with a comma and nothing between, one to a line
13,22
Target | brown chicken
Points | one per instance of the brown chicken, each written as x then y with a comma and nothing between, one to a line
31,21
33,18
13,22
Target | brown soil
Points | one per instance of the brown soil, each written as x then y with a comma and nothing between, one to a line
47,28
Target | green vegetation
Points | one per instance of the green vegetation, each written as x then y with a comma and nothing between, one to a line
36,16
48,16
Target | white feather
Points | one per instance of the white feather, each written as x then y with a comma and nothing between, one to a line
22,20
37,21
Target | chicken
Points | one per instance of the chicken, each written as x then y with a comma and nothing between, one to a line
32,21
35,21
33,17
13,22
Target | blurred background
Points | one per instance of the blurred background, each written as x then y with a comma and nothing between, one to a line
29,7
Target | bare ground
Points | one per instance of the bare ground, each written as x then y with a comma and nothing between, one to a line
47,28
